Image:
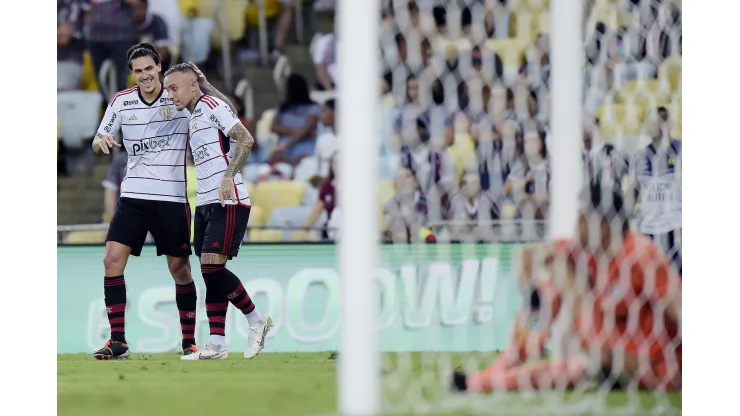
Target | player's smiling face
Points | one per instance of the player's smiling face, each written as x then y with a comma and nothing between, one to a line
178,85
146,73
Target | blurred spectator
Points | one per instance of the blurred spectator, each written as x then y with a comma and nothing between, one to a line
112,30
536,69
285,22
153,29
406,213
198,29
603,163
529,181
534,111
259,153
325,60
295,123
655,176
61,152
327,143
435,117
482,68
473,211
112,182
327,199
70,42
171,12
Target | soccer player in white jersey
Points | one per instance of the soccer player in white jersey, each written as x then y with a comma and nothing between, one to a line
153,195
655,174
220,146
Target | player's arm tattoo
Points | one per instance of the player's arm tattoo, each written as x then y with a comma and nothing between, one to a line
244,142
211,90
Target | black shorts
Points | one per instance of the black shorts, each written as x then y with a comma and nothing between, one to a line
169,223
220,229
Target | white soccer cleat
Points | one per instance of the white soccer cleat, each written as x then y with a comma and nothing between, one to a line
257,336
214,352
191,353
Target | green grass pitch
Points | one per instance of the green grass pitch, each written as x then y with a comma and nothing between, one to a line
270,385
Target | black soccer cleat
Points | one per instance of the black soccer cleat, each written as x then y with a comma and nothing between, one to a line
334,355
112,350
459,381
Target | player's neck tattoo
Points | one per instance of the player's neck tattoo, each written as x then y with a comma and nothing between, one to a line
191,106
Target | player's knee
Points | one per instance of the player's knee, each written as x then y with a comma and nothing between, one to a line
180,270
114,263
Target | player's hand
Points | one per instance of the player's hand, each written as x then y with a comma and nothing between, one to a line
103,143
226,191
201,78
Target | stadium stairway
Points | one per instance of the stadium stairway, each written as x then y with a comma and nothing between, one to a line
80,196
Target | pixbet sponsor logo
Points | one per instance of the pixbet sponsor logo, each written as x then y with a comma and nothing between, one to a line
150,145
132,102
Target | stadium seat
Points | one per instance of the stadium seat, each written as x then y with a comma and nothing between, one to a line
670,72
463,153
234,13
251,14
621,113
78,112
510,50
288,219
386,190
265,236
612,17
272,194
530,5
264,135
250,188
256,216
530,25
306,169
86,237
89,81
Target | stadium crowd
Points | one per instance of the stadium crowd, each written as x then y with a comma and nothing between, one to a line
465,107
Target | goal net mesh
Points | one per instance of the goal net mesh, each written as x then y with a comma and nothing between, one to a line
465,114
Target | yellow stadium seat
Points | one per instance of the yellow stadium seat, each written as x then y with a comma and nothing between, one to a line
188,7
612,130
621,113
300,236
273,194
530,25
530,5
257,216
272,8
89,81
235,22
511,50
250,188
86,237
462,153
266,236
670,73
612,17
264,125
386,190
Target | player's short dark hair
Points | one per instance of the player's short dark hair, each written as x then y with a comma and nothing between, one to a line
183,67
141,50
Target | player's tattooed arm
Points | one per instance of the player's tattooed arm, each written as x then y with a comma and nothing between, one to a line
242,147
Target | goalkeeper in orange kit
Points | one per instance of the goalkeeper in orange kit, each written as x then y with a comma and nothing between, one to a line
626,312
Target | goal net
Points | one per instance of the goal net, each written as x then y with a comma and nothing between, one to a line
466,187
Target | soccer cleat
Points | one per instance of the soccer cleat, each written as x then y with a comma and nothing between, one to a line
257,336
459,381
112,350
214,352
334,355
190,353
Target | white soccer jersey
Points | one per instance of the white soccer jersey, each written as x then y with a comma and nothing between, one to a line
155,136
212,150
657,173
